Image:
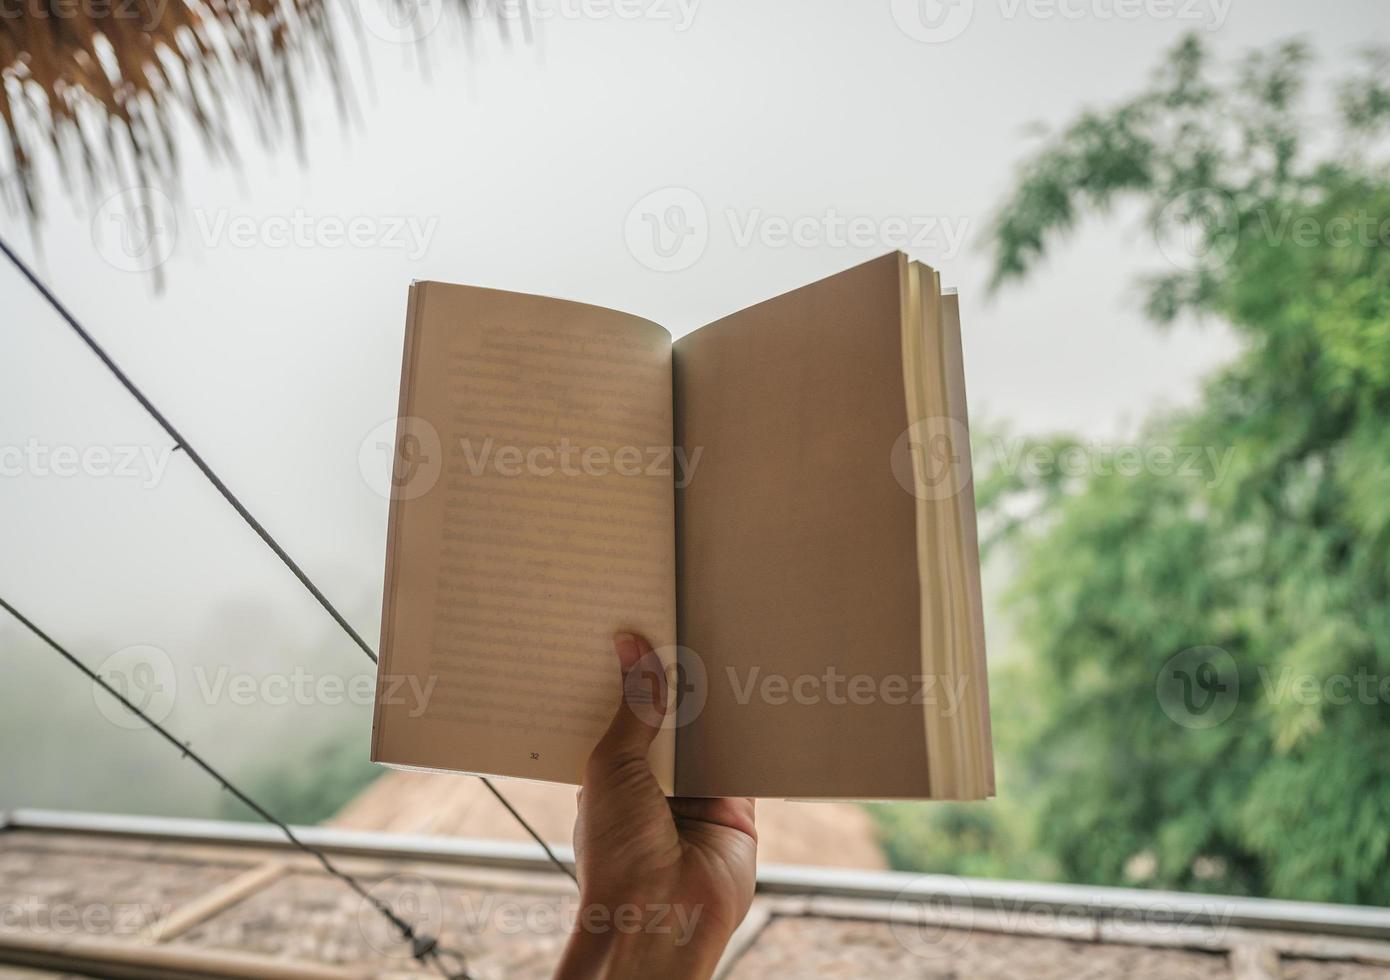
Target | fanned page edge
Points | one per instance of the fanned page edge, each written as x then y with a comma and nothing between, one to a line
915,311
960,760
982,766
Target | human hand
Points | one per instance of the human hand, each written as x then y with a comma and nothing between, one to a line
669,879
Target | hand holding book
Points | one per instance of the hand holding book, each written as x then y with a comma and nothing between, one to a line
663,881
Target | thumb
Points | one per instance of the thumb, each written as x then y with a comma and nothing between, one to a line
639,715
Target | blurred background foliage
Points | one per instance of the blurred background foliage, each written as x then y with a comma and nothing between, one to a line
1273,204
314,783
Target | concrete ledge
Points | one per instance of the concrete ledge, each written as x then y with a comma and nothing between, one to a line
1113,907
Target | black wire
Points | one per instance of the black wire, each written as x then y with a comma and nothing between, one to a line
241,509
521,820
423,948
182,443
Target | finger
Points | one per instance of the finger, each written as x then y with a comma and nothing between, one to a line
734,812
638,718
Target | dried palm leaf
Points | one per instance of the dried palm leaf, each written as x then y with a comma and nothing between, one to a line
104,83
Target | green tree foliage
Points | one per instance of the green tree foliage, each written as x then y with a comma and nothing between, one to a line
1277,217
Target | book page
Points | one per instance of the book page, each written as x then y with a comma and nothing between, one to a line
975,707
532,516
798,594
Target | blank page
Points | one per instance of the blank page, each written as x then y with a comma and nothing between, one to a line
797,563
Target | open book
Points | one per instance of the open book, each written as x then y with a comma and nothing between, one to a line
781,501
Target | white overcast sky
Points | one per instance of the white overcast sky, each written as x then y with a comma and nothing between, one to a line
521,164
